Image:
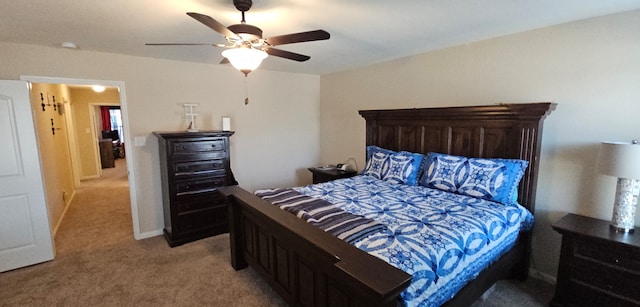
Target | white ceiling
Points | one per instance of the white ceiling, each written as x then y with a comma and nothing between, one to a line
362,31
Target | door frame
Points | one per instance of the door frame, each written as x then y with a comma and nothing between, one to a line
127,135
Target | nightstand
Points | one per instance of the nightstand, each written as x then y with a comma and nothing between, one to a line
328,174
598,267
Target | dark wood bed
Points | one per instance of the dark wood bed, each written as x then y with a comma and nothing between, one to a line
309,267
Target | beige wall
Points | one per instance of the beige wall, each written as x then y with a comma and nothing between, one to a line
82,100
277,134
591,69
54,149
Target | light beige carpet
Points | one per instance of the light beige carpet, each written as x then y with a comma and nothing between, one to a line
98,263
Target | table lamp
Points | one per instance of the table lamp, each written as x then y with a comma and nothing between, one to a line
622,160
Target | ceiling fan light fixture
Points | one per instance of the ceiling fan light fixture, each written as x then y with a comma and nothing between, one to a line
245,59
249,47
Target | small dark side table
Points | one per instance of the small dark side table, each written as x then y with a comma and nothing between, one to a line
324,174
598,267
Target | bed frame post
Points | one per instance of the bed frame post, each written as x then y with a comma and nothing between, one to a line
235,236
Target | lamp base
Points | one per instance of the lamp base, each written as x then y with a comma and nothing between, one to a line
620,229
624,208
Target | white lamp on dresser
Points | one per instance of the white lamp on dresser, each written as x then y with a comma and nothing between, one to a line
622,160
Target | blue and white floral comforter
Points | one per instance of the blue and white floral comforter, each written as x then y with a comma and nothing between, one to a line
442,239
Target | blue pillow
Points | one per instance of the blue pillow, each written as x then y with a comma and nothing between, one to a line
377,163
396,167
442,171
492,179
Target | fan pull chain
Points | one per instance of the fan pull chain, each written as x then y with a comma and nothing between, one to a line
246,92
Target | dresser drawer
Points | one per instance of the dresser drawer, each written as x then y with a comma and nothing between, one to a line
182,147
198,167
605,278
581,294
615,255
193,202
201,185
201,220
605,267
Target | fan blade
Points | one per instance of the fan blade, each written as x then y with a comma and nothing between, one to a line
225,61
287,54
185,44
298,37
213,24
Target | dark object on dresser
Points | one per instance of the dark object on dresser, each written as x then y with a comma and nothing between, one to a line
598,267
106,153
310,267
327,174
117,145
193,166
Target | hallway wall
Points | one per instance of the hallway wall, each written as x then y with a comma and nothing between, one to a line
54,149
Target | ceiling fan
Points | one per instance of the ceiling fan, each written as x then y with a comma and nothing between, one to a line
246,48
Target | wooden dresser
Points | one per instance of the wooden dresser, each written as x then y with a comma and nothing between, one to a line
598,267
193,166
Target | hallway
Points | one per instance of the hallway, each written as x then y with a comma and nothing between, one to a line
100,213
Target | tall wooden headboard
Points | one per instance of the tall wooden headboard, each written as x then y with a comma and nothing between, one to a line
493,131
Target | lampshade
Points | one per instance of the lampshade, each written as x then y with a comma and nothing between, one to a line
619,159
244,59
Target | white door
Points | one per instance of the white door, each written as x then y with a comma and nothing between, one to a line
25,235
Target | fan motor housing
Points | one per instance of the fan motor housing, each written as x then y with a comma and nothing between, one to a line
242,5
247,30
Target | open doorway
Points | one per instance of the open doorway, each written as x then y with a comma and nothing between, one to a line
112,145
80,135
106,120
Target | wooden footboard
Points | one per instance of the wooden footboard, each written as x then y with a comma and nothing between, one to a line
305,265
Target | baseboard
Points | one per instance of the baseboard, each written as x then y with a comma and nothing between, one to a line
542,276
89,177
64,213
148,234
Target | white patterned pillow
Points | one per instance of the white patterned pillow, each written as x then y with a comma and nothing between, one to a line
396,167
443,171
492,179
377,165
482,178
